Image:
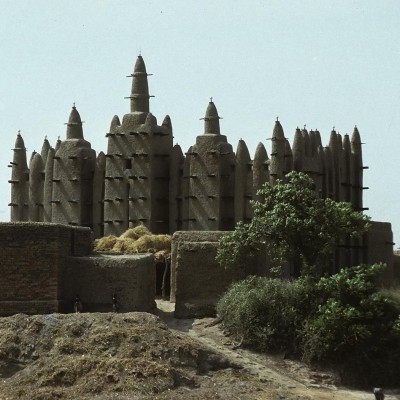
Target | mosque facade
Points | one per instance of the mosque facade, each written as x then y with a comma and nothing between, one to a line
145,179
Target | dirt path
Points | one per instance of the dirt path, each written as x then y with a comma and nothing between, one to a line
289,379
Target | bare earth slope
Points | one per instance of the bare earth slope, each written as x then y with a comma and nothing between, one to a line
136,356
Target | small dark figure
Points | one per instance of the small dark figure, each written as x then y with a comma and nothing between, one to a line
378,392
78,304
115,302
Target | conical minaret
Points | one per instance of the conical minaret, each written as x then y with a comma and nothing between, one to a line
348,167
73,176
48,185
138,164
298,151
260,169
211,120
45,150
357,170
140,87
98,195
209,203
334,146
278,153
36,188
243,183
19,182
74,125
176,189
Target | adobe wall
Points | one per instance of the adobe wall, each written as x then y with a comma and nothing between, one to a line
396,267
95,278
197,280
44,265
379,247
32,258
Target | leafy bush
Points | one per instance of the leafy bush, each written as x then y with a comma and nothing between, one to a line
355,326
343,320
262,312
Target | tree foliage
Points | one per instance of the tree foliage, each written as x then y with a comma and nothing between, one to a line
292,222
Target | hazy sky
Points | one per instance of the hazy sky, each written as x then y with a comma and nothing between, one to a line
319,63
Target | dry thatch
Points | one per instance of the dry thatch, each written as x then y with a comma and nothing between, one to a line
106,243
151,244
137,240
135,233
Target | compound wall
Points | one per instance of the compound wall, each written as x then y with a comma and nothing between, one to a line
44,265
197,280
96,278
32,259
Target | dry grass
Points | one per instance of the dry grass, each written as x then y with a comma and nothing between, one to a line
137,240
83,355
135,233
106,243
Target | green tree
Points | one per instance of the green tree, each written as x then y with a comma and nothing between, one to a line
293,224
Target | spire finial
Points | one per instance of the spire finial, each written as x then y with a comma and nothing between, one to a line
304,126
58,138
277,119
211,99
73,105
333,127
45,138
19,131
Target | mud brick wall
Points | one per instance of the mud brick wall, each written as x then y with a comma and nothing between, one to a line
379,247
396,267
82,241
187,236
32,258
197,280
95,279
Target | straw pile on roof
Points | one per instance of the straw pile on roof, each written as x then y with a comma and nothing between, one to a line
137,240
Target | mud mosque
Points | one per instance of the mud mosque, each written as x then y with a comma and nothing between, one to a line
145,179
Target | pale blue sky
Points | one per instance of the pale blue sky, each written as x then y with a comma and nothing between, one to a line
319,63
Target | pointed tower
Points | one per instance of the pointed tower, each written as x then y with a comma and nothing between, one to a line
260,169
140,88
334,146
45,150
138,164
298,151
356,149
48,185
210,198
36,188
243,183
277,154
347,172
288,162
19,182
329,173
176,189
73,176
98,195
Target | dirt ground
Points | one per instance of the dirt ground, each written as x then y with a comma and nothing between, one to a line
145,356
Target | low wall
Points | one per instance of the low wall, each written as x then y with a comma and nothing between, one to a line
44,265
197,280
97,277
32,258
